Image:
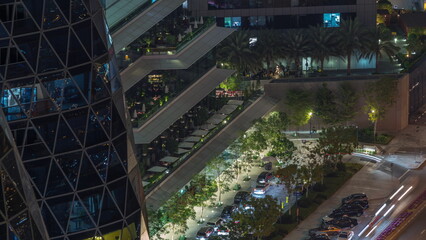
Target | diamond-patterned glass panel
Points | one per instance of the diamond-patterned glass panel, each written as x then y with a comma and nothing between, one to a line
56,80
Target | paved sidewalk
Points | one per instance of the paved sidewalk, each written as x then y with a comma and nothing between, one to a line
375,183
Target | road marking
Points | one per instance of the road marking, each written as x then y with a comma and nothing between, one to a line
423,232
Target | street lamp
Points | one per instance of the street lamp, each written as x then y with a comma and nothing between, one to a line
310,122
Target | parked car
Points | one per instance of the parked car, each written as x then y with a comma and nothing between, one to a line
343,222
264,177
227,212
268,166
215,224
322,236
362,203
330,231
241,196
204,232
349,211
345,235
261,189
222,231
355,197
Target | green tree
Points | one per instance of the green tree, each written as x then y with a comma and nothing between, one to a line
380,45
299,106
178,210
379,97
236,51
295,46
312,170
266,47
414,44
232,83
282,148
334,142
219,168
386,5
289,175
346,99
205,189
157,220
325,105
352,40
322,42
257,222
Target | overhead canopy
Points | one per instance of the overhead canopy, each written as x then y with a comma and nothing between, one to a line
157,169
144,183
192,139
182,150
199,133
208,126
169,159
235,102
216,119
227,109
186,145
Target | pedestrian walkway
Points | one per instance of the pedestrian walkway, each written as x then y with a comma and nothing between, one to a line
369,180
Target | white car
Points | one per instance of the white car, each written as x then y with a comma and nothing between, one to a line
261,189
347,235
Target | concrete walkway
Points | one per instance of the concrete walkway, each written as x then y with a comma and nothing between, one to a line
370,180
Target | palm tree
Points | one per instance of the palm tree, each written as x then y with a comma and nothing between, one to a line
266,47
296,45
236,51
352,39
380,45
322,42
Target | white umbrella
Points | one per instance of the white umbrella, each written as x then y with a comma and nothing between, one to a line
195,24
166,89
143,107
179,37
190,29
135,114
201,20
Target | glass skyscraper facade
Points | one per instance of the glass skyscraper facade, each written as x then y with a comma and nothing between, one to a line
63,106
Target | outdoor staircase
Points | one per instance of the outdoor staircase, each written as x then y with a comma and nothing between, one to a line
171,112
183,60
198,161
143,22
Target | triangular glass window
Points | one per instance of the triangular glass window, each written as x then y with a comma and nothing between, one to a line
76,53
3,32
29,46
21,225
95,133
57,183
117,122
36,10
65,140
70,164
64,6
78,11
109,211
61,208
9,163
99,47
23,24
118,192
59,41
46,127
99,157
52,16
10,192
120,145
86,235
103,112
89,177
131,202
38,171
17,66
47,59
77,120
115,169
49,221
82,31
79,220
92,201
99,90
81,76
115,228
34,146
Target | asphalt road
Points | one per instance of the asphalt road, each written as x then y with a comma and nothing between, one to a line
417,228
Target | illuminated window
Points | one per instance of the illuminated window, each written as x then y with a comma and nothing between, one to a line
331,19
232,22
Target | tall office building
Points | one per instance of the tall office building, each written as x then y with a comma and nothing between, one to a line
63,106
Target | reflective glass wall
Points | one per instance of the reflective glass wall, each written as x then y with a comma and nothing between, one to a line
62,99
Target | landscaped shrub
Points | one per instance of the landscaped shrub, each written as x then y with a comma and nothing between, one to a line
304,202
286,219
332,174
319,198
319,187
341,167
